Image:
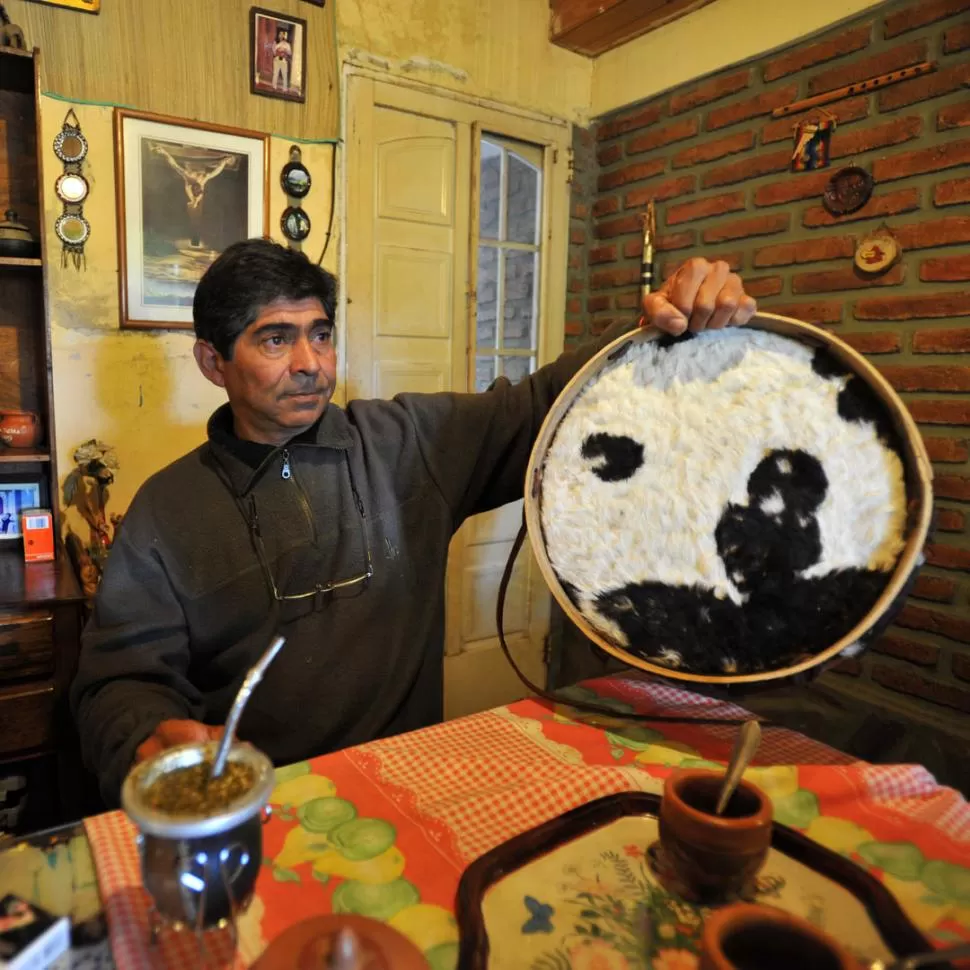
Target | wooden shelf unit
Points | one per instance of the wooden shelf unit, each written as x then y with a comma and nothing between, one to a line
41,604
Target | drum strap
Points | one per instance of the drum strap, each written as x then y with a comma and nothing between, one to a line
568,701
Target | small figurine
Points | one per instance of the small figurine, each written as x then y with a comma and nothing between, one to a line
10,34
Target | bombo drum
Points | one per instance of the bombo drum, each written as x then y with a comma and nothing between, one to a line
199,868
732,507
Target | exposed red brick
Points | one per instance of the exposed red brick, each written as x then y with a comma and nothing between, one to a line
714,205
945,624
960,665
874,342
763,286
940,412
946,449
708,91
804,251
910,682
648,114
600,302
607,156
923,654
577,237
790,189
628,301
844,278
946,268
923,88
574,328
860,140
610,278
946,155
602,254
747,168
922,13
934,588
633,248
657,137
954,192
575,284
815,311
852,109
607,206
808,55
950,520
574,305
928,305
761,104
890,204
861,68
949,341
713,150
953,486
630,173
579,210
847,665
930,377
743,228
658,191
956,39
617,227
927,235
575,260
954,116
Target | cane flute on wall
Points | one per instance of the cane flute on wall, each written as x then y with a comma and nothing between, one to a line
649,222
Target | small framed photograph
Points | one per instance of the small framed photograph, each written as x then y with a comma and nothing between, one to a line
277,55
17,493
186,191
88,6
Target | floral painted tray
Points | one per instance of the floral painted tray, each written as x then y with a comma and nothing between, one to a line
581,892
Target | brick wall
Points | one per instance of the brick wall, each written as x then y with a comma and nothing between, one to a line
718,166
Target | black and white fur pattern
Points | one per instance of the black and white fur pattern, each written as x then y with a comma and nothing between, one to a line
724,504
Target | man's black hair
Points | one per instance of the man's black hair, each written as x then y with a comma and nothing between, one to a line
245,279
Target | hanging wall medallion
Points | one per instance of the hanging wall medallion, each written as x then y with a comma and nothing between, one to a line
295,224
848,190
877,251
295,180
72,188
812,141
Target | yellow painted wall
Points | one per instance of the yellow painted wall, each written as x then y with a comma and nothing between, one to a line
501,46
723,33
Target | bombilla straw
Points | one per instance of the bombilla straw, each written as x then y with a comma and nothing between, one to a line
254,676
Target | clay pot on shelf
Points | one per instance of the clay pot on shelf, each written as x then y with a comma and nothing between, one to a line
20,429
713,857
749,937
16,239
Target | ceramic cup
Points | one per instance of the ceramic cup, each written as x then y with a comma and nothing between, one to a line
19,429
712,856
749,937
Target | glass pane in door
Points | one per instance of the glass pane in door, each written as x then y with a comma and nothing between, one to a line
519,299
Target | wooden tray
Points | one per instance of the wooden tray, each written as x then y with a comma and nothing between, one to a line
572,892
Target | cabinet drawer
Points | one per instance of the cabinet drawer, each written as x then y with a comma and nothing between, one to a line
26,645
26,717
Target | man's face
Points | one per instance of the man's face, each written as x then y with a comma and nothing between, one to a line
282,372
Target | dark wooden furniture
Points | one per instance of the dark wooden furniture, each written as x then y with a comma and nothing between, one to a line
40,603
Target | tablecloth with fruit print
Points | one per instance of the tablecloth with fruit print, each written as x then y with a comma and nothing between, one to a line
386,829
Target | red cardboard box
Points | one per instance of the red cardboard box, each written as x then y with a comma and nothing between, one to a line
37,526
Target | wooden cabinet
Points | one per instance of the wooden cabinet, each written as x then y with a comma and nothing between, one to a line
40,603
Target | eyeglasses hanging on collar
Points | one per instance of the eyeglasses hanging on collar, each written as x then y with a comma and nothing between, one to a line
321,592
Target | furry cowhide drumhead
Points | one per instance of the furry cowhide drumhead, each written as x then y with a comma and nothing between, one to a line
724,504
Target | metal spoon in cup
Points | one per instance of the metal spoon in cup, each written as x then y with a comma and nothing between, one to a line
252,678
749,737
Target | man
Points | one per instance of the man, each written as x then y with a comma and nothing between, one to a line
329,526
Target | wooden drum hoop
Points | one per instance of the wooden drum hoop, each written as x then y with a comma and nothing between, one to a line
919,495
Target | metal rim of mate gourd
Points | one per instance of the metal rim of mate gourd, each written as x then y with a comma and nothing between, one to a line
169,826
918,477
